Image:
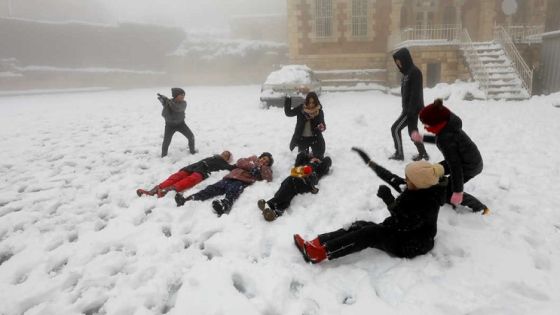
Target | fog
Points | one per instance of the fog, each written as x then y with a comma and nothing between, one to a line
131,43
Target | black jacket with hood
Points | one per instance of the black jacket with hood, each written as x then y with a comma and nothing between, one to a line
462,157
411,84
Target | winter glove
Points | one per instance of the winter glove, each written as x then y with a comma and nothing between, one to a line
416,136
363,155
456,198
255,172
384,192
314,190
321,127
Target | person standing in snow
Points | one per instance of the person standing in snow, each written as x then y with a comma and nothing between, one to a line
462,159
410,229
190,175
310,125
174,114
304,176
412,102
246,172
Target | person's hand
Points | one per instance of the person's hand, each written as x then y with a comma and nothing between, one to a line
255,172
384,192
321,127
416,136
456,198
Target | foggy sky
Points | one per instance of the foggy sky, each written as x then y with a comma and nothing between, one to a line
189,14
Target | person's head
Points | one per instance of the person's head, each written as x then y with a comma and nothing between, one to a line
226,155
422,174
311,100
403,60
435,116
266,159
178,94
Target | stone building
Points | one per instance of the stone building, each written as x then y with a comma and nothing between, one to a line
331,35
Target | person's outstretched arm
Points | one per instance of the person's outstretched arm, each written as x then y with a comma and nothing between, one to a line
390,178
288,110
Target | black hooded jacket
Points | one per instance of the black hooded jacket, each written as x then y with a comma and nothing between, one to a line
462,158
209,165
301,119
411,83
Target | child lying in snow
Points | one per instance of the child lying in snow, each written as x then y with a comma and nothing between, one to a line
190,175
245,173
303,178
408,232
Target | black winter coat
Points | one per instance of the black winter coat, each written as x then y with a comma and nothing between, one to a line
209,165
301,120
411,84
462,158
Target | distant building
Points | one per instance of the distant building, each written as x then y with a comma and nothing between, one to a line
363,34
548,73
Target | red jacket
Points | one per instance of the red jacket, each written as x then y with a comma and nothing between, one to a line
248,170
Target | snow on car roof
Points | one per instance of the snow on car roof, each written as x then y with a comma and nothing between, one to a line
292,74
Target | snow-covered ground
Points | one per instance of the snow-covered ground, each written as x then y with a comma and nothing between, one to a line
75,238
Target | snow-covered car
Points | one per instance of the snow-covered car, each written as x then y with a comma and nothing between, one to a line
290,81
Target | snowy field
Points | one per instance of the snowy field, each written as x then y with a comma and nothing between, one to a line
75,238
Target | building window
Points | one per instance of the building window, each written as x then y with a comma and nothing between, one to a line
323,18
359,18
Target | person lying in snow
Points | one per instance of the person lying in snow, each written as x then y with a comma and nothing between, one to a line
462,159
245,173
410,229
303,177
190,175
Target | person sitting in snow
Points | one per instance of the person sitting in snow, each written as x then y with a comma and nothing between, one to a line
310,125
190,175
303,178
246,172
410,229
462,159
174,113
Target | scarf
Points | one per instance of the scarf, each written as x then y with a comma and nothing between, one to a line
311,113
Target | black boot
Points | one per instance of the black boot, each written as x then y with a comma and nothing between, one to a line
180,200
422,154
221,206
396,156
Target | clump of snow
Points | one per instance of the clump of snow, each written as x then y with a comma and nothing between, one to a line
75,238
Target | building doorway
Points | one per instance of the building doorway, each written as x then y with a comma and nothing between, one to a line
433,75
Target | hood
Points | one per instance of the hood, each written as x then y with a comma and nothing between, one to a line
406,59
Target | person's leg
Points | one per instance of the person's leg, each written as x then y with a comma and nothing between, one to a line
396,128
167,135
233,191
304,144
216,189
370,235
413,126
318,147
186,131
469,200
188,182
173,179
283,196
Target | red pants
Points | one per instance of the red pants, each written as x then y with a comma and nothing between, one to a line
182,180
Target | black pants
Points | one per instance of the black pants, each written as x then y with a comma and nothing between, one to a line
232,188
403,121
469,200
362,234
290,187
170,129
317,145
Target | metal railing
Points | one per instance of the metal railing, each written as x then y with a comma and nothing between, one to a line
520,66
444,32
525,33
478,70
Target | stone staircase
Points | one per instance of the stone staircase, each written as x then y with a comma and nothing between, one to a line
351,79
490,60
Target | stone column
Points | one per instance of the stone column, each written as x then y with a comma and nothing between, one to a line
395,26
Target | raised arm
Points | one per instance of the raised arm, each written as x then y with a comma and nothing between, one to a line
288,110
388,177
